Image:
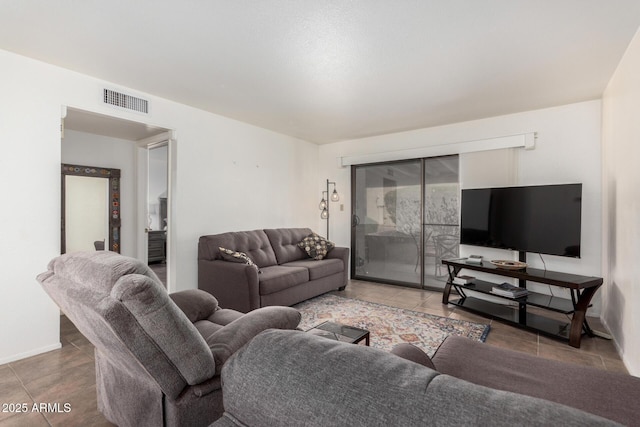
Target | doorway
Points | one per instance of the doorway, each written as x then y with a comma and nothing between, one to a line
108,142
157,207
90,209
405,220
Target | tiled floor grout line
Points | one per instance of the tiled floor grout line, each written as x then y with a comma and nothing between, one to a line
26,390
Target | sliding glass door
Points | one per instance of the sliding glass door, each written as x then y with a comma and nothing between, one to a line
441,229
386,222
400,210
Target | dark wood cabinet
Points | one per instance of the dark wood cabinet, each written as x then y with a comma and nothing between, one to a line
157,246
163,212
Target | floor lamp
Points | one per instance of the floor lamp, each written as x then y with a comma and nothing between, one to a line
324,203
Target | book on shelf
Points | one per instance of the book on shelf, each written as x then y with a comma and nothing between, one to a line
508,290
463,280
474,259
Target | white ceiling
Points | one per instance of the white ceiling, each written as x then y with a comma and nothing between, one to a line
331,70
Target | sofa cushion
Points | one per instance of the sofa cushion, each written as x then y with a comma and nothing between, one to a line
276,278
253,243
285,243
207,328
216,321
319,269
315,246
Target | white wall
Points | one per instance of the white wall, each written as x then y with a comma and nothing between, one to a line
621,187
87,149
228,175
567,150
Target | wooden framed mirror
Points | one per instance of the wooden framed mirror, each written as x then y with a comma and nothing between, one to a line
90,208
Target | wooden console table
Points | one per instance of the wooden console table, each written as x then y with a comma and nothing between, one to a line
581,288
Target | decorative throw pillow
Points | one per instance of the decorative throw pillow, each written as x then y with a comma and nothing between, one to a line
235,256
317,247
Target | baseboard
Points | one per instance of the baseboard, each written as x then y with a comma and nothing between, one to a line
602,335
30,353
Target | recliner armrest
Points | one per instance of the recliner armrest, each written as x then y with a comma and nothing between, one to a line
195,304
226,341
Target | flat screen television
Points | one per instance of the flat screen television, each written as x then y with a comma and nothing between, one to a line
542,219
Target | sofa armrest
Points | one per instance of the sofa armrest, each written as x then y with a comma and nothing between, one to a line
342,253
607,394
226,341
235,285
195,304
412,353
339,252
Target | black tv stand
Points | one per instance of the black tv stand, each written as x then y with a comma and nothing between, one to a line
582,289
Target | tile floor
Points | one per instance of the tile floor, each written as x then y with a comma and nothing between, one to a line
67,375
61,376
160,268
595,352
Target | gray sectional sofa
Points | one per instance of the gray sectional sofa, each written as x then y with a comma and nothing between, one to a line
330,383
285,274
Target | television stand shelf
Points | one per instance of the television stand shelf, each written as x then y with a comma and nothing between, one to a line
582,289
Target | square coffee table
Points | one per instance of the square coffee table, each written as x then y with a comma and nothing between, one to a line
339,332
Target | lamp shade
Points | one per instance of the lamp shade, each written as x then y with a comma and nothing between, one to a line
323,204
334,196
324,214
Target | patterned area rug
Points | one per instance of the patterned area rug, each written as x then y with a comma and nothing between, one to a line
388,325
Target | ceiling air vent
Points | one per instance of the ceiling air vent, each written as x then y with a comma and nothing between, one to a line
128,102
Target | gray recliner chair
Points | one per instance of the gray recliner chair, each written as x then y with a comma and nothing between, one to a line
158,356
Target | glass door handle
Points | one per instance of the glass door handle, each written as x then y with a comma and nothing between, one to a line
355,221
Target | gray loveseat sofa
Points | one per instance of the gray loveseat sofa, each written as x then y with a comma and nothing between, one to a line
325,382
285,274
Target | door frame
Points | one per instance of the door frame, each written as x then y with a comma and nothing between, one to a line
142,171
